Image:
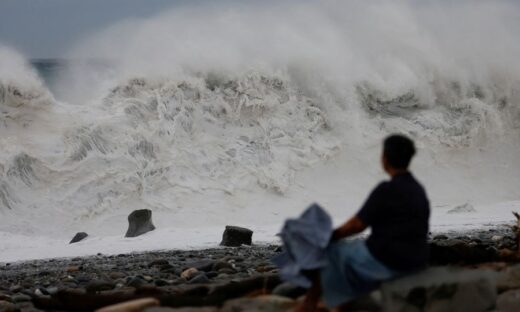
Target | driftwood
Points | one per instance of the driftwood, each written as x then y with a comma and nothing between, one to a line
202,295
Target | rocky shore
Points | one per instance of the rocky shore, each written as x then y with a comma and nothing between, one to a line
219,279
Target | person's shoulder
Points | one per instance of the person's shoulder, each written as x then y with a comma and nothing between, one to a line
417,182
382,187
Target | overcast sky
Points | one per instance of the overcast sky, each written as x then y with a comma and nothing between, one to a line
46,28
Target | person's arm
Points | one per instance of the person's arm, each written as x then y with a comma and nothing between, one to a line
351,227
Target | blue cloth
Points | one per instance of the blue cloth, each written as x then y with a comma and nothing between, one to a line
305,241
351,271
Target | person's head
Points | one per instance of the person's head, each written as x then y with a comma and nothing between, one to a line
398,151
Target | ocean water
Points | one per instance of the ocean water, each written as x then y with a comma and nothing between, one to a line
245,115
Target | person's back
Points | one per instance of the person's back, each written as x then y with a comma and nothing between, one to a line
397,212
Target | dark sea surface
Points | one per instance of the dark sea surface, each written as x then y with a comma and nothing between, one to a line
50,70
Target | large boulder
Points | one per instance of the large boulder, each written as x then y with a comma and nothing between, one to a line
139,222
78,237
235,236
509,278
509,301
441,289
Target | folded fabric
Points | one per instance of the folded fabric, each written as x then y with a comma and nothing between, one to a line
305,240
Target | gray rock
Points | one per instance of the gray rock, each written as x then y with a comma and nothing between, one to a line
268,303
288,290
139,222
160,282
21,298
78,237
158,263
99,285
116,275
219,265
5,297
235,236
509,278
204,265
136,282
441,289
199,279
211,274
509,301
6,306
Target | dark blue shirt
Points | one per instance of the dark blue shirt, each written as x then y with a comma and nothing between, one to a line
397,211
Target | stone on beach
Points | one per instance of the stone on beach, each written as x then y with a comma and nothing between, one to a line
190,273
139,222
131,306
78,237
509,301
267,303
235,236
442,289
6,306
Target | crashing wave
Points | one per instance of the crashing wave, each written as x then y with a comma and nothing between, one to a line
22,93
217,129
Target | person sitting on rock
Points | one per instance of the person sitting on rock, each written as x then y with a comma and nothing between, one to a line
397,212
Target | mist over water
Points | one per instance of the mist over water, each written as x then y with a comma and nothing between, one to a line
189,110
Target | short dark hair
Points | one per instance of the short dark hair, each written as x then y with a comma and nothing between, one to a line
398,151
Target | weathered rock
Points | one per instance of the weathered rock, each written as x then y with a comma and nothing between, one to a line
509,278
5,297
199,279
160,282
116,275
136,282
189,273
99,285
21,298
137,305
204,265
288,290
6,306
268,303
441,289
219,265
509,301
158,263
73,268
139,222
497,238
78,237
235,236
